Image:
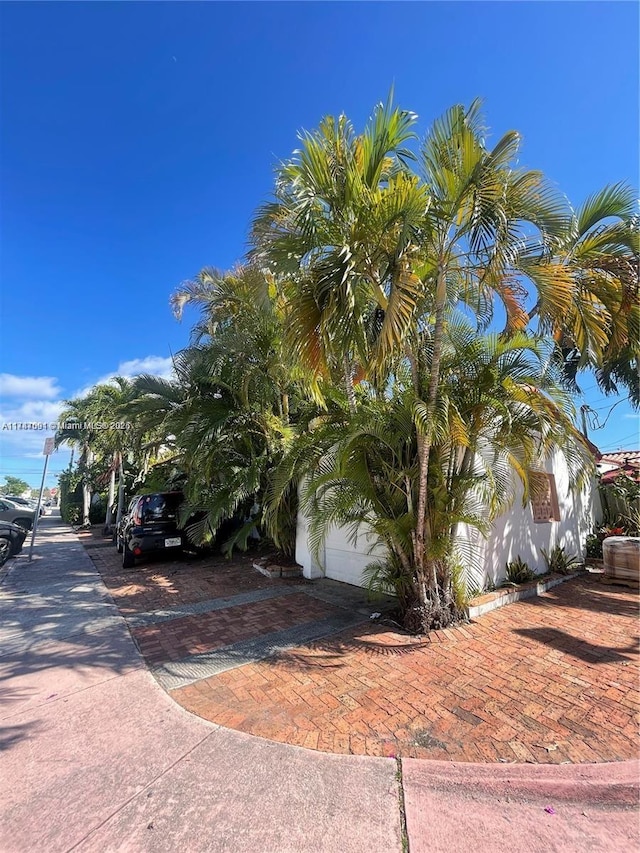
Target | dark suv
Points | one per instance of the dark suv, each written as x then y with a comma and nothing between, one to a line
150,526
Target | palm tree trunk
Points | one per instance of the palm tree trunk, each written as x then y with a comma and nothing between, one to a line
424,442
86,488
348,382
112,494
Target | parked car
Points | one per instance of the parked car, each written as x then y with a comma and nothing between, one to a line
16,513
150,526
28,503
116,533
12,538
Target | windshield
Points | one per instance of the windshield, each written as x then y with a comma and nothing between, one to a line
161,507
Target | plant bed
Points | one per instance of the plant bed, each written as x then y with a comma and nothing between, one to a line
507,595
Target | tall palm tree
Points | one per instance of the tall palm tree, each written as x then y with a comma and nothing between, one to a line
339,229
78,432
369,244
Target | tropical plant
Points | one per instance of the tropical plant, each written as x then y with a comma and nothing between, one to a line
498,409
559,562
78,432
599,250
519,572
354,360
229,414
593,546
375,255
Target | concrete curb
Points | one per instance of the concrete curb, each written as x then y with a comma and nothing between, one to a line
611,784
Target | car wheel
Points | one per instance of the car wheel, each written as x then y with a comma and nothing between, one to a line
5,549
128,559
23,522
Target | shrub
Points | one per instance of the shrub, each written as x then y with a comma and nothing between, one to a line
559,562
97,511
594,546
519,572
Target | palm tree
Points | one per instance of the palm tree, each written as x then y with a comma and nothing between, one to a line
600,327
79,432
500,408
367,243
339,230
231,404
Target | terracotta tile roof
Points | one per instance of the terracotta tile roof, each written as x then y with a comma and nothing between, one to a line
626,461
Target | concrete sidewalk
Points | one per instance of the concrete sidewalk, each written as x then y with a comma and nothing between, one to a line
95,756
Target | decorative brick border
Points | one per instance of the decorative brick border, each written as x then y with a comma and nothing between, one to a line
493,600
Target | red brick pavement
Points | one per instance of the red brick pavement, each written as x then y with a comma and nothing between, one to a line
548,680
177,638
154,584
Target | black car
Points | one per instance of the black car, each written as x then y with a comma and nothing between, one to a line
116,532
150,526
12,538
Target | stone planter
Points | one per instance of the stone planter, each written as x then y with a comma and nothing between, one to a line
494,600
273,570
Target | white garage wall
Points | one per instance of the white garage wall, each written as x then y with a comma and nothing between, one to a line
513,534
339,559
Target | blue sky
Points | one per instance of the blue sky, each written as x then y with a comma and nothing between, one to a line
138,139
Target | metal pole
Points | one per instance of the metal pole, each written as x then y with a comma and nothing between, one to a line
37,515
583,412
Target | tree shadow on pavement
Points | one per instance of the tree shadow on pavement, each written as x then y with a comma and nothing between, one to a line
579,648
331,652
11,735
587,594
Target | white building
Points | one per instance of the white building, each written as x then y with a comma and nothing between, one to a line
564,516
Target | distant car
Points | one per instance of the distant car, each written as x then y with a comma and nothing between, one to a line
12,538
26,502
16,513
150,526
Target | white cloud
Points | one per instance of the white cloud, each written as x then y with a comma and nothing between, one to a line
23,428
29,386
156,365
30,409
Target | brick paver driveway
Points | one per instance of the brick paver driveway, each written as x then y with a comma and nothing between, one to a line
548,680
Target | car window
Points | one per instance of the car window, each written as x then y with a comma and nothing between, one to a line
160,507
3,506
132,504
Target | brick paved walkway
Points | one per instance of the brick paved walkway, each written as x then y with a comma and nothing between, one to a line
547,680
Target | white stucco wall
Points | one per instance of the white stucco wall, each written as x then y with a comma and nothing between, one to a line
515,533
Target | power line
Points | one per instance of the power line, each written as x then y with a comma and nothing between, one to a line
619,441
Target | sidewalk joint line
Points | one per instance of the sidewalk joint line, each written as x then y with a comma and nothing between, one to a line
141,791
404,834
